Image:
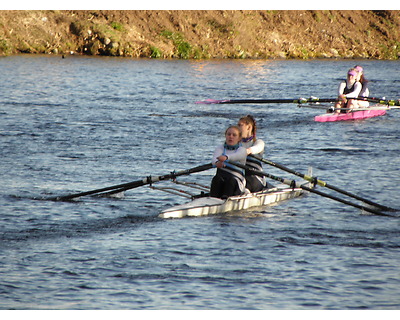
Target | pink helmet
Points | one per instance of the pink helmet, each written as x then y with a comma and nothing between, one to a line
352,72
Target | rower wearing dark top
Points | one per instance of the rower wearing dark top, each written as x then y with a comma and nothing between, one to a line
348,89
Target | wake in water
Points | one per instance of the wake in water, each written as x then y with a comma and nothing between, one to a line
68,229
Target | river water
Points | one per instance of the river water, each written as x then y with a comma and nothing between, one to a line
82,123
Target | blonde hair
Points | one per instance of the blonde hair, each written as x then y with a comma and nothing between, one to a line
234,127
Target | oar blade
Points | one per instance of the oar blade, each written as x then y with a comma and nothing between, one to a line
129,185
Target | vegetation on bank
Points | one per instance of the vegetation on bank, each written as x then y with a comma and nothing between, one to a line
204,34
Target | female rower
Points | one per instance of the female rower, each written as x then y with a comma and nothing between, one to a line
348,89
229,180
253,146
364,93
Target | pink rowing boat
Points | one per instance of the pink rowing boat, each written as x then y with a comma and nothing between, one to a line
354,115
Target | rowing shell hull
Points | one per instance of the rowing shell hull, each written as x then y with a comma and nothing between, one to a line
207,205
355,115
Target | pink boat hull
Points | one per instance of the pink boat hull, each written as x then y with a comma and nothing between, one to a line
356,115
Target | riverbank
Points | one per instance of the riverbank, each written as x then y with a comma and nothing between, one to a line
288,34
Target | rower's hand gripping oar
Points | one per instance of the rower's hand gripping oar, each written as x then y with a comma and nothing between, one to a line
323,183
135,184
294,184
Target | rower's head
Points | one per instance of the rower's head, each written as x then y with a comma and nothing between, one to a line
248,126
233,135
359,69
352,75
360,73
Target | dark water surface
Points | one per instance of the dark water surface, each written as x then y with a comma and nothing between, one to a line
76,124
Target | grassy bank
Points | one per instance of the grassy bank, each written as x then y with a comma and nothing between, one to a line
204,34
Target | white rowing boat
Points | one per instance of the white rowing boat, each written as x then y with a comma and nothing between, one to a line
208,205
203,205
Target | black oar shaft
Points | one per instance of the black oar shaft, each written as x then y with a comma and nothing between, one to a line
293,184
298,101
239,101
260,101
135,184
326,195
323,183
132,184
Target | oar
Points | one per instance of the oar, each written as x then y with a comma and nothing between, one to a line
390,102
322,183
299,101
294,184
135,184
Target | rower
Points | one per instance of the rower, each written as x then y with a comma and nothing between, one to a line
364,93
229,180
255,146
348,89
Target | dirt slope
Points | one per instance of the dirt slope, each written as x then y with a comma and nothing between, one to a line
204,34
